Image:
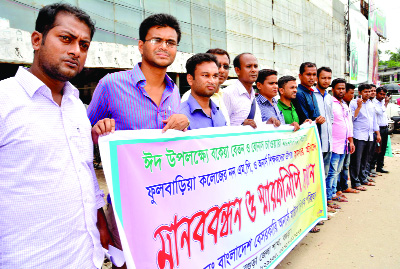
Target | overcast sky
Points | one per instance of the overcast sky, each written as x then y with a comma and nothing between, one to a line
392,10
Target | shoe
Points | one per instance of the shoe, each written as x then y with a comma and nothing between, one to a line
381,170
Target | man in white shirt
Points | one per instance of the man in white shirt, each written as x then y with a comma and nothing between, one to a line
50,203
239,98
380,103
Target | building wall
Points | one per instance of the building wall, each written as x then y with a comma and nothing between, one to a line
280,33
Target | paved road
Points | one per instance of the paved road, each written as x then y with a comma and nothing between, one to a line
365,233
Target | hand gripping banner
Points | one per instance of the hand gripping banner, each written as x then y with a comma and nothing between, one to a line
229,197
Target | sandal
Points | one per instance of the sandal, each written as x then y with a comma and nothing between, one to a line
350,190
339,199
371,180
333,205
315,229
361,188
368,184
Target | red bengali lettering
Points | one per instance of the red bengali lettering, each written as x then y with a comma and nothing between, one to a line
275,192
250,202
173,232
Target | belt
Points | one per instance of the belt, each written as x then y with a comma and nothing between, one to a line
383,127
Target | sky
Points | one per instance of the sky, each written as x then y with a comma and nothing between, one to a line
392,10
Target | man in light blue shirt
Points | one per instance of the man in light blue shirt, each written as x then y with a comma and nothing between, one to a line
202,77
324,100
364,126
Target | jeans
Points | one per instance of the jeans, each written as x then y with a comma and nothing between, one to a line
333,175
358,161
344,174
327,161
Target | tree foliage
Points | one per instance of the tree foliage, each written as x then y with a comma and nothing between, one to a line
394,58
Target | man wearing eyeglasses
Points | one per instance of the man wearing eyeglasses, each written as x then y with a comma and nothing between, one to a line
223,72
144,97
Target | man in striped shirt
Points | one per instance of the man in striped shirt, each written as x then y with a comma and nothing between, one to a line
144,97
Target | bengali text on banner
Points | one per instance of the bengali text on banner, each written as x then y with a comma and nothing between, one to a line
229,197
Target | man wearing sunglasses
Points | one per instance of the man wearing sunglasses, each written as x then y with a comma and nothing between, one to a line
223,72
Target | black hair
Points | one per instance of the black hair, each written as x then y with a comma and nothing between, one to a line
350,86
284,80
323,68
162,20
264,73
306,64
381,89
372,86
47,16
219,52
199,58
236,61
337,81
363,86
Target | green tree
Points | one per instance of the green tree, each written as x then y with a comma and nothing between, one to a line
394,58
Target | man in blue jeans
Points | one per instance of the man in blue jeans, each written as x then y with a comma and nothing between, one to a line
324,101
342,138
342,185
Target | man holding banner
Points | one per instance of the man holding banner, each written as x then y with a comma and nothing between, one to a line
202,76
144,97
224,62
50,201
240,98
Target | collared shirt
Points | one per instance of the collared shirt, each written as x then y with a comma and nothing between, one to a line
238,103
122,96
380,109
365,123
342,126
325,109
289,113
198,118
269,110
217,98
306,104
49,193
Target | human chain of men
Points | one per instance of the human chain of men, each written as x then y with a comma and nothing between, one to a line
47,180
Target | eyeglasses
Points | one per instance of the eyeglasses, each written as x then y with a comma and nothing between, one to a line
159,42
225,66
